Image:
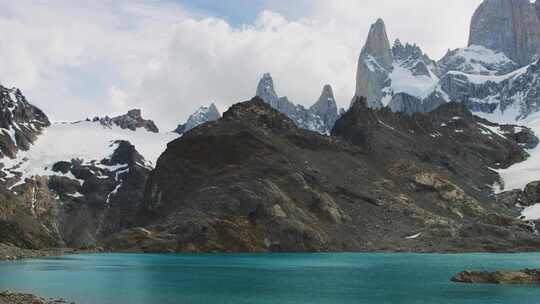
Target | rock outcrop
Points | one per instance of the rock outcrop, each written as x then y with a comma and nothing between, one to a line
509,26
527,197
202,115
525,276
7,297
132,120
320,117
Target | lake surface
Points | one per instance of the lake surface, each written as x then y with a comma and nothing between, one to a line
267,278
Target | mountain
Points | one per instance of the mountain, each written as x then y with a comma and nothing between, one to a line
374,65
202,115
253,181
73,183
401,77
20,122
485,77
326,108
508,26
476,60
320,117
497,74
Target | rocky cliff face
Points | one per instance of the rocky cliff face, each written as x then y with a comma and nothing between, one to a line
374,65
320,117
509,26
20,122
202,115
253,181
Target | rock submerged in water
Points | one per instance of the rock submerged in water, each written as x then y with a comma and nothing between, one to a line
525,276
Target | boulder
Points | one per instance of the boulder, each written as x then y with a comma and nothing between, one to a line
525,276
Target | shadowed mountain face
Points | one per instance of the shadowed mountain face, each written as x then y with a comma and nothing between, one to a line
20,122
253,181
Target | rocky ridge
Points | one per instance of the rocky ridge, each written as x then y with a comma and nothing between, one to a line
132,120
276,187
320,117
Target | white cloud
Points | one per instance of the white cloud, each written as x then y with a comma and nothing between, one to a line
65,55
209,60
78,59
436,25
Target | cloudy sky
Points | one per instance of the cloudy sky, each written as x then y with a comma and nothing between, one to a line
80,58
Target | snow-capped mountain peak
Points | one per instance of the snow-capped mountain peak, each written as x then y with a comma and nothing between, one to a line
409,74
320,117
477,60
202,115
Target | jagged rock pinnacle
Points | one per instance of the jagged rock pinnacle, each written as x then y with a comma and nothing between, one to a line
374,64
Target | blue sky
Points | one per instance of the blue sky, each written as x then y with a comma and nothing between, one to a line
78,59
239,12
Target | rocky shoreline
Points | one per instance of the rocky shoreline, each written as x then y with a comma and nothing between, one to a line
9,252
8,297
525,276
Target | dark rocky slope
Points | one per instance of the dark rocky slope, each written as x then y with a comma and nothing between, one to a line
253,181
79,207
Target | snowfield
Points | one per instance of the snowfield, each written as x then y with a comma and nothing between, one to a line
87,141
476,59
520,174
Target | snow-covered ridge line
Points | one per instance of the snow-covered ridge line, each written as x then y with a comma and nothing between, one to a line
481,79
86,141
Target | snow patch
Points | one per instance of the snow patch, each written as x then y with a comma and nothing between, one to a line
531,213
413,236
519,175
403,81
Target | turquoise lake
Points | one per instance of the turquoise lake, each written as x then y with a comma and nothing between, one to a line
267,278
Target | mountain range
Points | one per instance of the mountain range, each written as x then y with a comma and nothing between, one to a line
430,156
